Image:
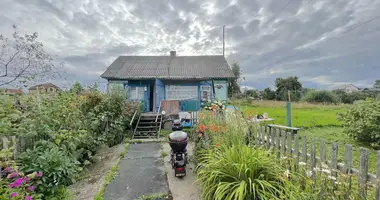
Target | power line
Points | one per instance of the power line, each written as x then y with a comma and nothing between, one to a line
330,38
274,16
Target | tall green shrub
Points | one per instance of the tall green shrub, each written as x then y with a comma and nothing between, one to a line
362,122
322,96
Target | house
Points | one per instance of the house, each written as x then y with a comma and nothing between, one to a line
44,88
348,88
370,90
12,91
189,79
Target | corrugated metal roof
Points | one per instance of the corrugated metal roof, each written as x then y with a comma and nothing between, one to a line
168,67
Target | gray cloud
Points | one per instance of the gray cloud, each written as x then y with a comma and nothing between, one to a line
89,35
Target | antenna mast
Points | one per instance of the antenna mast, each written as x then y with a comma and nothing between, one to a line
223,39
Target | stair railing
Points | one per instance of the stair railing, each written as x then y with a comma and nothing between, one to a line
158,113
135,113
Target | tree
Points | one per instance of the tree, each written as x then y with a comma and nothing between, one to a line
233,86
284,85
77,88
268,94
376,84
252,93
23,59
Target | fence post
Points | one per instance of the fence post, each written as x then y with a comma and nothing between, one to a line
283,143
290,145
347,167
14,143
5,143
378,176
278,144
363,172
334,159
304,149
313,159
323,151
296,151
267,140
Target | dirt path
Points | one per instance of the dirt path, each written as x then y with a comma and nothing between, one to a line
182,188
87,188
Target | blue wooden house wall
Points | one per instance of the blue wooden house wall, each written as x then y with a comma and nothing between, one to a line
160,90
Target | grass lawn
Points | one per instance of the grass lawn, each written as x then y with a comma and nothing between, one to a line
303,115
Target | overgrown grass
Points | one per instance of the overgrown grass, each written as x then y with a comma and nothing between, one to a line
160,196
111,174
304,117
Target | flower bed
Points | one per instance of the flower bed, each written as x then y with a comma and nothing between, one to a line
229,166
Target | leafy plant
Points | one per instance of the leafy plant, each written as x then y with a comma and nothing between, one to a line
58,168
362,122
239,172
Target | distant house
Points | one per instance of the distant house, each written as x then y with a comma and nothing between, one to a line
44,88
188,79
12,91
348,88
370,90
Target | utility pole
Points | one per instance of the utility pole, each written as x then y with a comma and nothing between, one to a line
223,39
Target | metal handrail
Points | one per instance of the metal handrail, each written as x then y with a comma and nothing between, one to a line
158,112
134,115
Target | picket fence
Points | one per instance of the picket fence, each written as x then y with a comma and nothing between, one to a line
290,145
17,144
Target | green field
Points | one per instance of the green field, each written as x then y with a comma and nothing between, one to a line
303,115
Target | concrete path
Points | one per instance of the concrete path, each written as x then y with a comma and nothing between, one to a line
182,188
141,172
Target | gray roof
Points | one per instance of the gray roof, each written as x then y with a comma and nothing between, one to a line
168,67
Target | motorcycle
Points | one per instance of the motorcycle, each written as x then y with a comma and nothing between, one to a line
178,155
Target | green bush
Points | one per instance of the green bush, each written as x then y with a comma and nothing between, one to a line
239,172
321,96
350,98
57,167
362,122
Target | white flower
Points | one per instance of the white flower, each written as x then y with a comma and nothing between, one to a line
326,171
309,173
287,173
331,178
284,157
324,166
302,163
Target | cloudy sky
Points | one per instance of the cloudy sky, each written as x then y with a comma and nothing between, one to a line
318,40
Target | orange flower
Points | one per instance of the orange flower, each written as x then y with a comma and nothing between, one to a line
213,127
213,107
200,135
201,115
218,145
202,127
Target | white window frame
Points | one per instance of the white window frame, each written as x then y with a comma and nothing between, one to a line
207,89
180,92
134,93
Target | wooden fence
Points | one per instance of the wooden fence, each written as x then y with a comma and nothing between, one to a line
17,144
297,148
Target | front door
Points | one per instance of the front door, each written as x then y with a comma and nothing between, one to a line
140,93
160,93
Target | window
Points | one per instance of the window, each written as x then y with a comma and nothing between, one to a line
176,92
205,92
137,93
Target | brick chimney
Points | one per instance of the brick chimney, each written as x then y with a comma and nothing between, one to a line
173,53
